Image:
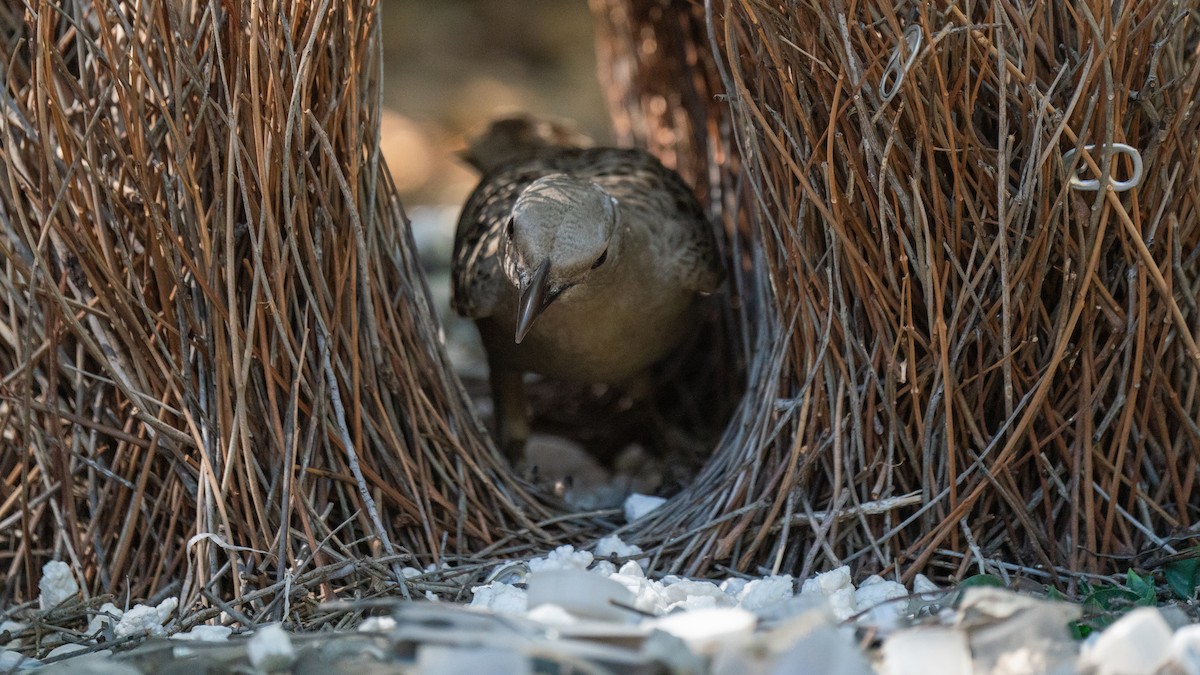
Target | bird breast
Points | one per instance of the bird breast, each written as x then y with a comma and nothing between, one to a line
608,333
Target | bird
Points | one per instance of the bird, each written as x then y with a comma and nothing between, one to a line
581,264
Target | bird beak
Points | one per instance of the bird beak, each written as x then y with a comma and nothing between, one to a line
533,299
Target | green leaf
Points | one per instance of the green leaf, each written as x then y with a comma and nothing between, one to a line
1142,587
1183,577
981,580
1080,630
1111,599
1053,593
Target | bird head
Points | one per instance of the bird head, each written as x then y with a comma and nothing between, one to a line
557,237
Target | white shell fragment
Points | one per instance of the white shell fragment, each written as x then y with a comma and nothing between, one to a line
837,590
377,624
761,594
499,597
145,620
106,618
612,545
638,505
1185,649
57,584
562,558
825,650
1011,634
15,661
270,649
879,603
447,660
580,593
707,630
926,651
12,628
1139,643
922,584
205,633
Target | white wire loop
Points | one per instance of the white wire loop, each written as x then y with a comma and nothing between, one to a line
894,71
1093,184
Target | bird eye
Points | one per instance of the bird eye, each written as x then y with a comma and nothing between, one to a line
508,229
601,259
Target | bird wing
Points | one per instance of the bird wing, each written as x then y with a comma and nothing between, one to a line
686,241
698,263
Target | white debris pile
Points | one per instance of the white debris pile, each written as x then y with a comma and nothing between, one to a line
601,607
774,624
109,623
588,590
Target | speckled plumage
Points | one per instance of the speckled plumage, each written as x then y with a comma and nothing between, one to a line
650,195
607,320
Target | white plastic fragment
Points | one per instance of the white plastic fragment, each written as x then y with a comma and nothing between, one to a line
707,630
922,584
435,659
1018,660
270,649
873,597
552,615
97,663
604,568
613,545
57,584
1185,649
668,650
107,617
828,583
638,505
73,647
377,624
836,588
733,586
632,569
583,594
761,594
12,628
562,558
499,597
205,633
648,594
1012,634
145,620
842,604
10,660
926,651
1139,643
687,594
825,650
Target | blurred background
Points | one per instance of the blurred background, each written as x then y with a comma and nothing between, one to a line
449,68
